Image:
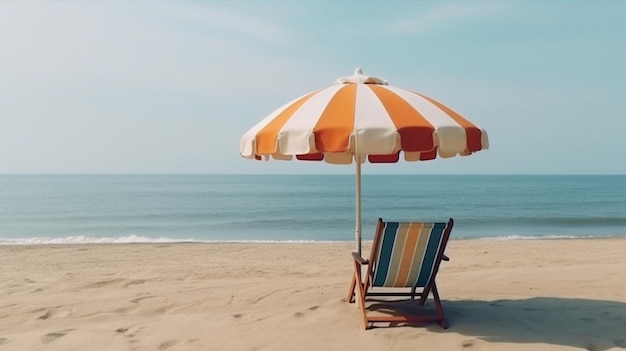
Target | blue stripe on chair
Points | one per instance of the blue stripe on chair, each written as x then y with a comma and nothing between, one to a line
386,249
432,249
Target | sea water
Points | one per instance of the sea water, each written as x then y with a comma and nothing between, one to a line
40,209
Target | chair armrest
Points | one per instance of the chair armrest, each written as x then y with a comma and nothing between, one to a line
359,259
445,258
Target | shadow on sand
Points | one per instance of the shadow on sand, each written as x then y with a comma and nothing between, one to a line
593,325
588,324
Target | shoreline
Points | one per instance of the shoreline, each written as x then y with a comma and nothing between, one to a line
497,295
81,240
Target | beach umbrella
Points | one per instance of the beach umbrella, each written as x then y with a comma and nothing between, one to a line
358,119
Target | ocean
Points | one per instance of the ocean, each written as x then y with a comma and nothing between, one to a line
49,209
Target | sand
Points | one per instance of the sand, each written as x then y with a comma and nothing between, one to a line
497,295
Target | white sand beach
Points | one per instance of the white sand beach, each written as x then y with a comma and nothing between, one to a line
497,295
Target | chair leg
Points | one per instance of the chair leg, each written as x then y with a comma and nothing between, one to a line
351,289
366,284
360,292
442,319
424,295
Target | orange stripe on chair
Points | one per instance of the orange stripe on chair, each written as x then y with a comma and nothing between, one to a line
413,233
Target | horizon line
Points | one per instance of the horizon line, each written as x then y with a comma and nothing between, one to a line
296,174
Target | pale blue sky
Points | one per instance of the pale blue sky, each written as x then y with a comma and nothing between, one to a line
170,87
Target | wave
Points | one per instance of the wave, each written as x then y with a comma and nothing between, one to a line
540,237
135,239
87,240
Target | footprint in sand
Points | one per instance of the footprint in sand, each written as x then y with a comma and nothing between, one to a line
3,341
142,297
54,313
103,283
300,314
166,345
45,315
130,332
50,337
467,343
135,282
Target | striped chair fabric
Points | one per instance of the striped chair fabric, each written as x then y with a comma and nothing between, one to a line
407,254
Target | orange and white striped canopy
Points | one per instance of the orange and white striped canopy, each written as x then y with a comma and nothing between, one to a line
361,118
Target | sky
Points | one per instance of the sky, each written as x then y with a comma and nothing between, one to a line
125,87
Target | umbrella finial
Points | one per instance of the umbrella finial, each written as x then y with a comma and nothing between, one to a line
359,78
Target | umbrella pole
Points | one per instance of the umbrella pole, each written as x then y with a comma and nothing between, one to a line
357,231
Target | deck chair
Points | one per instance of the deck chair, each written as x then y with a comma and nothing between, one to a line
404,262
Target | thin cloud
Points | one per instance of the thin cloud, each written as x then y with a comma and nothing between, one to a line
231,23
442,16
119,47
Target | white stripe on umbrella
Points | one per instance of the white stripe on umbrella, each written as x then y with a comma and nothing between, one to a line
374,129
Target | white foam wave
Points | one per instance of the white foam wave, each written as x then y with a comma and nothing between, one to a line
87,240
74,240
541,237
135,239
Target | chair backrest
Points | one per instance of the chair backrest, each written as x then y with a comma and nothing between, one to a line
407,254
